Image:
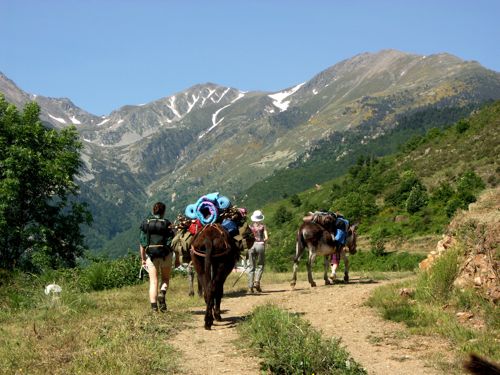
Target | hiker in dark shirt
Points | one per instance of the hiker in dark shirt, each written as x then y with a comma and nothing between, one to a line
156,254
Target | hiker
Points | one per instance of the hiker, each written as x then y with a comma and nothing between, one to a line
339,237
156,254
256,255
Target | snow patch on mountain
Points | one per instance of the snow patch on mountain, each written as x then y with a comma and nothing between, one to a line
278,98
103,122
58,119
214,115
172,106
75,121
191,105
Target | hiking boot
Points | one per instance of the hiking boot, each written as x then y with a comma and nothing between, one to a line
161,303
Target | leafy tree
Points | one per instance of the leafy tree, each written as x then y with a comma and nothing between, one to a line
443,193
356,205
470,182
462,126
282,215
40,216
295,200
408,181
417,199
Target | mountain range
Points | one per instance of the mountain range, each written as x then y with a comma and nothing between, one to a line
215,138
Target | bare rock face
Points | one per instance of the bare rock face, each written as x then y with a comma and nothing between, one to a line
444,244
477,232
480,268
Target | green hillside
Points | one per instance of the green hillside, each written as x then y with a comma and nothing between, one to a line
398,197
332,157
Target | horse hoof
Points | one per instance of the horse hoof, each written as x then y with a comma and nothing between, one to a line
328,282
208,328
292,285
313,284
218,317
191,294
346,278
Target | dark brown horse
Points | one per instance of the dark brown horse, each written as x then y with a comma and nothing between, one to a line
181,244
214,254
318,241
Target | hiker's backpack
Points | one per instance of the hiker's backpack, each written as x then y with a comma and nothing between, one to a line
159,237
342,225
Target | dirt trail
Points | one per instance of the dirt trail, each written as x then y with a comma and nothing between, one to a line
381,347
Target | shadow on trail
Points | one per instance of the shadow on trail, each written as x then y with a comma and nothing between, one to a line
359,280
231,321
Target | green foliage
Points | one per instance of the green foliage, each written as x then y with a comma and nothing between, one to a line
104,274
417,199
436,284
397,197
282,215
356,205
462,126
378,239
289,345
385,262
408,181
40,217
323,162
295,200
19,289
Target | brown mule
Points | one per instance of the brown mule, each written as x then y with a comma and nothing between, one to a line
318,241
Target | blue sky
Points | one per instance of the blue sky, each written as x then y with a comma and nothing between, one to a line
103,54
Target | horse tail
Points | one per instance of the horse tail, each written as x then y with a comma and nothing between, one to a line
300,246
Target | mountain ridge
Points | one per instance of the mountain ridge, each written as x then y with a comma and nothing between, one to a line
216,138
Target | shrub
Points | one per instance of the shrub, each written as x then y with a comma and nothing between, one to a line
107,274
378,240
295,200
282,215
417,199
397,261
289,345
462,126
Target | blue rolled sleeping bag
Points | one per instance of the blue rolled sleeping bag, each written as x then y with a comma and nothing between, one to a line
212,197
223,202
190,211
206,212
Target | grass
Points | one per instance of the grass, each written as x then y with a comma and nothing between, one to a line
288,344
108,332
433,308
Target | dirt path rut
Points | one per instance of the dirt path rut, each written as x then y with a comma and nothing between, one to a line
381,347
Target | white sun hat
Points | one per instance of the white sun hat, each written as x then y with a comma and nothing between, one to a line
257,216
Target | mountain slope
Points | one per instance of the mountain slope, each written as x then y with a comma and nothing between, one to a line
442,171
215,138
